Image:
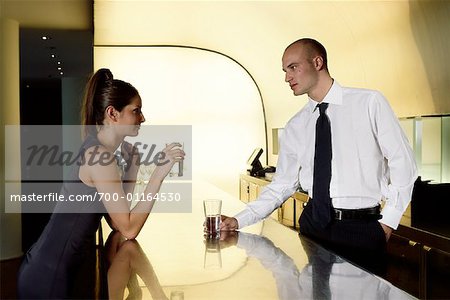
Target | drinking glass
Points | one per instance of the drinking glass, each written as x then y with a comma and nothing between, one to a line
212,208
177,171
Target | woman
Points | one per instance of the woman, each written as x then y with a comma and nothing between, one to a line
111,111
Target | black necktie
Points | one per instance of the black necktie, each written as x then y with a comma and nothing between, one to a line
321,203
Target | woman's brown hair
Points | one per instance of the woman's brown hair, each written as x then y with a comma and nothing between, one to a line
102,91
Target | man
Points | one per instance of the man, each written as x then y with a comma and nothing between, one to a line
349,153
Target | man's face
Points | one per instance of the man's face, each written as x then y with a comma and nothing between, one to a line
300,72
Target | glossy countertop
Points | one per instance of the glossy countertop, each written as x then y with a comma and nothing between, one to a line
171,259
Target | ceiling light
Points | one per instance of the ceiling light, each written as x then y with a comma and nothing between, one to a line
45,37
61,73
59,68
53,55
59,62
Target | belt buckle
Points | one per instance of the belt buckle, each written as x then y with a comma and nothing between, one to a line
338,214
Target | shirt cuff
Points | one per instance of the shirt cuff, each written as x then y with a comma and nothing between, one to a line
244,218
391,216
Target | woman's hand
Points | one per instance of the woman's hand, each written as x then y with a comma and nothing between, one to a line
172,154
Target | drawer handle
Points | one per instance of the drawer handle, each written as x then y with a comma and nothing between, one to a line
412,243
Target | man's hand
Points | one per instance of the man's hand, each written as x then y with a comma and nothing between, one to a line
228,224
387,231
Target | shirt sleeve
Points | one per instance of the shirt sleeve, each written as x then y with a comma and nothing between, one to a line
401,171
283,185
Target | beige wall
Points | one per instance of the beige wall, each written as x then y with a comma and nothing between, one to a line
177,88
397,47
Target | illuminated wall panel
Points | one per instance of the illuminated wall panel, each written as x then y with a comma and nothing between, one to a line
211,92
398,47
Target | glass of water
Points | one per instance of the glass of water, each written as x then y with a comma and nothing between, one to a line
177,169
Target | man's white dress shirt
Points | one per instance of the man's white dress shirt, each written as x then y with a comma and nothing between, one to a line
372,160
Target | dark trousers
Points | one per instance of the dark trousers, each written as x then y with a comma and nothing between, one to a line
362,242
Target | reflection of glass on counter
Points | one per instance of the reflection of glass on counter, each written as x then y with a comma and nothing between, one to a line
213,258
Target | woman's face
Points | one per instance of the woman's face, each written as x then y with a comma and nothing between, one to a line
131,117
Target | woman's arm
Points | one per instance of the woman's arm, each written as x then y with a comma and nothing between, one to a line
132,157
110,222
106,179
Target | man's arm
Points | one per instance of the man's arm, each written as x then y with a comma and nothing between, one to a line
402,170
283,185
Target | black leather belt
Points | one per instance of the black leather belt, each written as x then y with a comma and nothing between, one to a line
371,213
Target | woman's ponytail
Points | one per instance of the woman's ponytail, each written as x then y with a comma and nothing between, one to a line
95,99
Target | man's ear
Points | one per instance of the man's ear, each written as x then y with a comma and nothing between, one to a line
111,113
318,63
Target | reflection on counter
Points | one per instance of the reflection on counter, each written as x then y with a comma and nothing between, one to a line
325,276
213,258
171,258
125,260
312,272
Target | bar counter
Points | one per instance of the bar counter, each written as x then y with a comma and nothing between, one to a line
171,259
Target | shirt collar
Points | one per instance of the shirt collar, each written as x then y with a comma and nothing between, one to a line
334,96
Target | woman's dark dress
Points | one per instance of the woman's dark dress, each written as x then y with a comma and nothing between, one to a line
49,267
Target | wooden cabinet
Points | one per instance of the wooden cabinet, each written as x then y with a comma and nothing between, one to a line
250,187
419,262
291,210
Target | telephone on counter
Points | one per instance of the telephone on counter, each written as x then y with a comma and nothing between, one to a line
257,169
270,169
